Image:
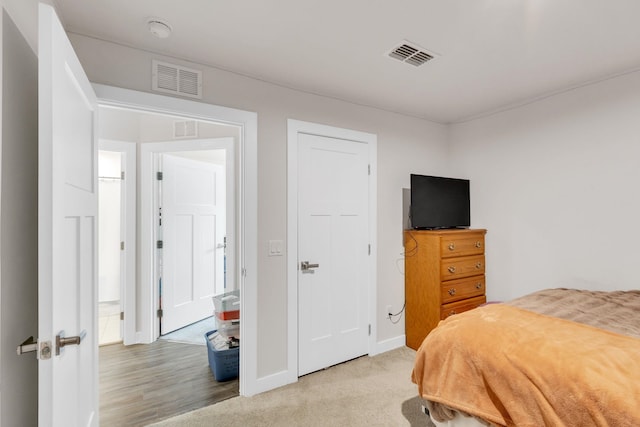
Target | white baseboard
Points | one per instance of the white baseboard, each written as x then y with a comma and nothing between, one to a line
388,345
283,378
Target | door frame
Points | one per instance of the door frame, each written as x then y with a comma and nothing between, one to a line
149,203
246,205
294,128
128,231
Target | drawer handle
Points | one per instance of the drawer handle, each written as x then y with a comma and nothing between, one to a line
452,312
452,291
451,269
478,244
478,285
479,265
452,246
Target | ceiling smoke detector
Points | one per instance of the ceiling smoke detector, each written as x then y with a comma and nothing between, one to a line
411,53
159,28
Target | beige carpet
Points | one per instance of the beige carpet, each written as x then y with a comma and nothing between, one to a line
369,391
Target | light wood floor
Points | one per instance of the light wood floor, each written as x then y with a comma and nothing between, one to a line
145,383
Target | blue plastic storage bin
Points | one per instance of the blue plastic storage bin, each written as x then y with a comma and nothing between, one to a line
224,364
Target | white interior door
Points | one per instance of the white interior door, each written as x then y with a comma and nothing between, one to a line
333,234
193,231
67,249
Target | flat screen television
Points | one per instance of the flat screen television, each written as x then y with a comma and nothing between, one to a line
438,202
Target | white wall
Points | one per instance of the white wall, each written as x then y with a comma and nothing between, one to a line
18,227
557,185
2,382
118,125
157,128
25,15
405,145
109,231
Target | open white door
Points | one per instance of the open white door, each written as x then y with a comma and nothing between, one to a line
67,250
193,233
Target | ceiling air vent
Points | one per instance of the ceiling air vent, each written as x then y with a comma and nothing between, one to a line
176,79
411,54
185,129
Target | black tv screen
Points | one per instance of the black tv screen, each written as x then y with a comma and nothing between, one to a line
438,202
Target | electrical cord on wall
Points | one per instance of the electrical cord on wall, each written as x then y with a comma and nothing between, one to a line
391,316
407,253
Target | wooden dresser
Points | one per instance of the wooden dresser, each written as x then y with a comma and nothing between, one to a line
444,275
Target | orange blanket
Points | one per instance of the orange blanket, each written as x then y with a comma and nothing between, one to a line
513,367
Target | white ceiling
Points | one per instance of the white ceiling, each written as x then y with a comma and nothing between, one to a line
493,54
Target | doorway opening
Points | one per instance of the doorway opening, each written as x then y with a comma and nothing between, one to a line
246,203
110,246
198,193
194,266
116,241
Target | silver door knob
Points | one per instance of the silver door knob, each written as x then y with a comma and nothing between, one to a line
304,266
62,341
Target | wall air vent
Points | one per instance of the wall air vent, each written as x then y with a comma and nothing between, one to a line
175,79
185,129
411,54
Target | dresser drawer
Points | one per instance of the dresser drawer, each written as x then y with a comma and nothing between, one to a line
455,290
456,246
461,306
457,268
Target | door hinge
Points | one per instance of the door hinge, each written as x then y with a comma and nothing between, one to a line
122,175
159,176
122,315
369,329
369,248
122,246
368,169
159,244
159,312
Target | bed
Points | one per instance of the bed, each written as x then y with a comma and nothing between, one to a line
557,357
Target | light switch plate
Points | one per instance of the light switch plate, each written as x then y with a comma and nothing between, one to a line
276,248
